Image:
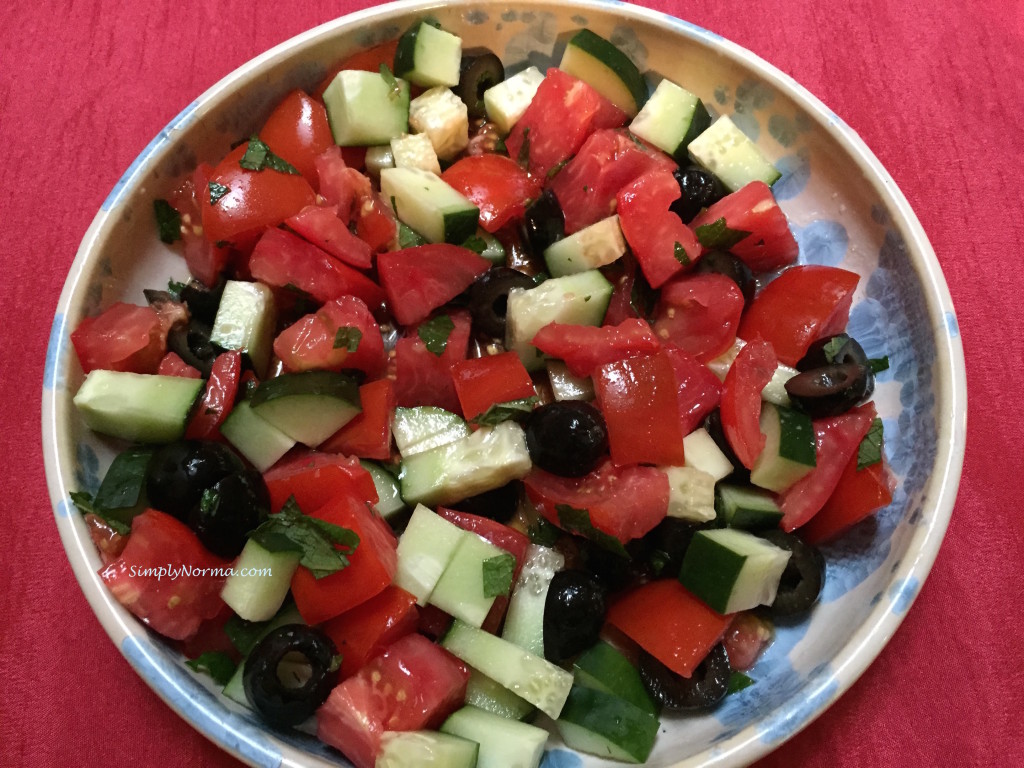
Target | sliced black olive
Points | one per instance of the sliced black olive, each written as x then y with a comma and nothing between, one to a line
698,189
574,612
612,569
192,344
667,543
488,298
702,690
498,504
803,578
290,673
567,437
831,389
180,472
839,350
713,424
480,69
724,263
229,510
543,222
202,301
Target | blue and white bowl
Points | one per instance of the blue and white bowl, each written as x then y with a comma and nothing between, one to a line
844,209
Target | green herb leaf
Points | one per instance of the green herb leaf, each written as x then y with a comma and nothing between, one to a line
577,521
834,346
348,338
476,244
258,157
87,506
718,235
407,236
543,532
524,150
217,191
737,682
315,540
123,483
642,298
870,450
498,572
175,287
681,255
394,87
556,168
499,146
879,364
435,333
245,634
168,221
217,664
512,410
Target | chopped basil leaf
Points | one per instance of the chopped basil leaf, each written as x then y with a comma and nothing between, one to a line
87,506
315,540
122,485
498,572
217,191
499,146
348,338
879,364
681,255
476,244
435,333
870,450
394,87
512,410
578,521
834,346
543,533
217,664
407,236
168,221
738,681
244,634
524,150
174,287
556,168
718,235
258,157
642,298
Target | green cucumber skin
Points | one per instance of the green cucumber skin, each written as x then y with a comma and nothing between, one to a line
746,508
799,429
699,123
605,668
139,407
603,50
710,584
460,225
612,722
328,383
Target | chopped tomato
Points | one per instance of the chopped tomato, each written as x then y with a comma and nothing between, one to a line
314,478
836,440
370,569
699,390
342,334
668,622
368,435
752,369
585,348
108,542
366,60
166,577
496,185
662,244
171,364
805,303
414,684
770,245
284,260
425,378
699,314
205,260
362,632
626,292
588,186
563,112
254,200
624,502
218,397
745,639
321,226
375,222
859,494
638,397
420,279
297,131
481,382
124,337
340,185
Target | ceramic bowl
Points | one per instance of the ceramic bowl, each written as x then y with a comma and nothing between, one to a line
844,209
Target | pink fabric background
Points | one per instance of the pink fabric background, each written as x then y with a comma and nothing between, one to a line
934,88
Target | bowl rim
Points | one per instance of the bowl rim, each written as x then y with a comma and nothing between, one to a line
940,491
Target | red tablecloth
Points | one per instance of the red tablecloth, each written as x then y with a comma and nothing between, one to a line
935,89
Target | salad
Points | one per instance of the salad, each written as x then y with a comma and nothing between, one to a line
496,405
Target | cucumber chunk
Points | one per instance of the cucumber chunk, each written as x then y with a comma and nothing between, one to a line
534,678
428,55
257,588
504,743
605,668
789,450
140,407
461,591
309,406
423,427
595,246
425,749
726,151
483,692
487,459
579,299
424,551
598,723
366,109
507,101
747,508
524,621
671,119
255,438
732,570
427,204
245,321
566,386
234,689
606,69
691,494
390,503
702,452
774,391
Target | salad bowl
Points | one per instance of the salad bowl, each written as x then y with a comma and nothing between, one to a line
844,210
